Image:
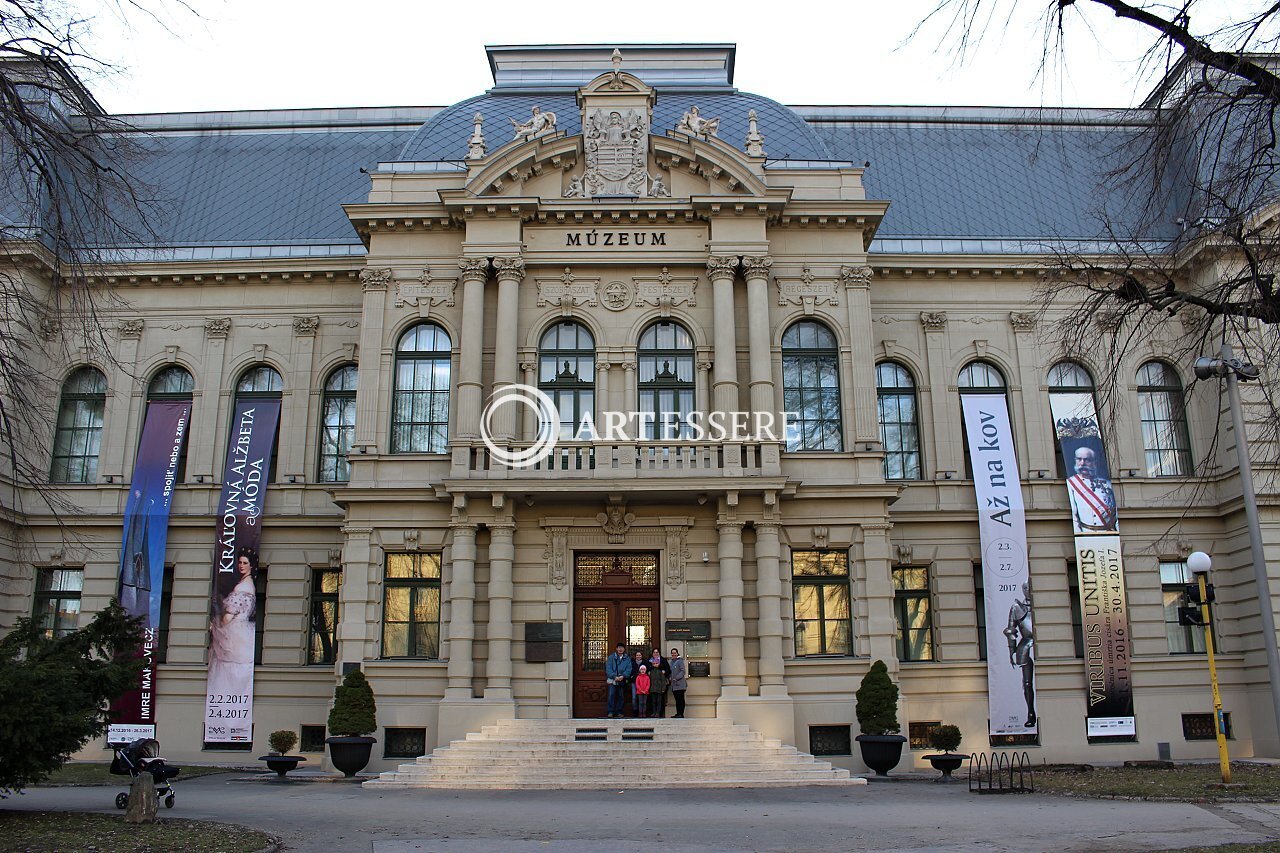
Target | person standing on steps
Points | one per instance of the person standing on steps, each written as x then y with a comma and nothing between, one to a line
679,681
617,675
658,664
658,691
642,691
637,660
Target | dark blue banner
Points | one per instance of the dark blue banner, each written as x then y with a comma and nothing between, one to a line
146,531
228,713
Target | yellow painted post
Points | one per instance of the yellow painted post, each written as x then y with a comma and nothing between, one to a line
1223,760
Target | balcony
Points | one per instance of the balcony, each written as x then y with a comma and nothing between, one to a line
611,460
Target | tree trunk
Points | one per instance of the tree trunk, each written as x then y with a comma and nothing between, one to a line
143,801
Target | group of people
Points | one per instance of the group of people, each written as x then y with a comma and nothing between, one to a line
646,681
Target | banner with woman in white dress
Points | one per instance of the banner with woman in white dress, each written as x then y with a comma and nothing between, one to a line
228,713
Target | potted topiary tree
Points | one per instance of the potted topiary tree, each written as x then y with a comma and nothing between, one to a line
945,738
353,717
281,742
877,711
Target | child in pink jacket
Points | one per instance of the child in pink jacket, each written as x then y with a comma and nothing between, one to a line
642,691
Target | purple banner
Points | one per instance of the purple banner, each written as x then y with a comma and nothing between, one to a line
146,530
228,712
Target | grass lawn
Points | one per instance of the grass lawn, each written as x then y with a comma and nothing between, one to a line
73,831
95,773
1187,782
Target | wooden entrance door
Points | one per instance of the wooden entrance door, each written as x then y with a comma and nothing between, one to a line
615,599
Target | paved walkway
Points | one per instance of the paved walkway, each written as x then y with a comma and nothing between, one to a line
328,817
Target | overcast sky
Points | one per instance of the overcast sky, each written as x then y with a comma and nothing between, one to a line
255,54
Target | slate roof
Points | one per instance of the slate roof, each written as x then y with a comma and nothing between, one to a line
1045,181
444,137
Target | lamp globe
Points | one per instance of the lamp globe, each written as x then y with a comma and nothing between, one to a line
1199,563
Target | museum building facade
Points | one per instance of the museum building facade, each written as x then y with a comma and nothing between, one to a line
629,233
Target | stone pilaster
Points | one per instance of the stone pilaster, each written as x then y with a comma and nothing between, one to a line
462,599
857,296
724,395
881,626
501,557
946,454
354,598
756,272
510,274
733,629
769,594
369,423
470,389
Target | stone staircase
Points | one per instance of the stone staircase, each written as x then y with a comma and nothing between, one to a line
626,753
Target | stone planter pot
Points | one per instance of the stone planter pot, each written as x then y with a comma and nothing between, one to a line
946,763
881,752
282,764
350,754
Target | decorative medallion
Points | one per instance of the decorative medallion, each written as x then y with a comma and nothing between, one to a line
616,295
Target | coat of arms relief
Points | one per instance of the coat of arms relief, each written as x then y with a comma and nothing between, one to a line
617,148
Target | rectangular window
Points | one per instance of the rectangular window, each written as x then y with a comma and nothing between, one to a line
918,733
912,609
1201,727
322,647
1183,639
411,608
57,600
830,740
1077,614
166,608
820,590
404,743
311,739
980,611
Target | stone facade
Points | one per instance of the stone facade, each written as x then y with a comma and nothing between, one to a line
736,250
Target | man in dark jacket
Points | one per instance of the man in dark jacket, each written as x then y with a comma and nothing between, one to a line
617,674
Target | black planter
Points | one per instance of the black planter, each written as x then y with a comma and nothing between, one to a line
350,754
881,752
946,763
282,764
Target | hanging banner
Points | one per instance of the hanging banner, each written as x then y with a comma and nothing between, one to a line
228,711
1099,567
146,531
1011,675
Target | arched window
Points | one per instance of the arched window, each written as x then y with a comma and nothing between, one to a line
899,421
78,435
1067,377
262,383
337,424
1164,421
811,386
175,384
567,373
978,377
666,381
420,408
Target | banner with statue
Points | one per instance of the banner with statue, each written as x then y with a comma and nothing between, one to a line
228,713
1011,685
1099,568
142,546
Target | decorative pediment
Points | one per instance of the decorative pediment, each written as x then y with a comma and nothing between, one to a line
568,291
711,159
426,292
807,290
666,290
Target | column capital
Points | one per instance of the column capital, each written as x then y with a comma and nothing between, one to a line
728,526
770,528
474,269
603,365
375,278
756,266
503,528
856,276
721,267
509,268
463,527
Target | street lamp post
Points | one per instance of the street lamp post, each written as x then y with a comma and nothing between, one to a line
1234,371
1199,564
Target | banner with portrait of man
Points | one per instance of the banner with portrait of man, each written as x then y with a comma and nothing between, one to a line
1099,568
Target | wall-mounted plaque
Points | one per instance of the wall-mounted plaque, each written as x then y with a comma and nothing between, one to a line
699,669
689,630
543,642
697,648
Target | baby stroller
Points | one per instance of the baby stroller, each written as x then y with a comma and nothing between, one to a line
143,756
